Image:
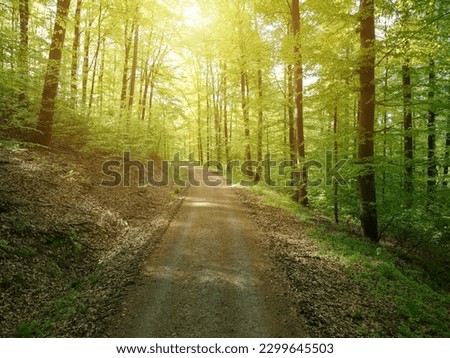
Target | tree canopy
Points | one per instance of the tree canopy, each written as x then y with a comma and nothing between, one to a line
306,81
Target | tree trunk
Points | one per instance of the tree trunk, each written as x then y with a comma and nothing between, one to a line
101,75
225,112
298,80
367,187
407,127
127,37
291,114
95,59
336,154
75,50
215,105
85,73
208,118
199,124
51,81
134,66
145,89
259,153
432,170
24,14
447,154
246,118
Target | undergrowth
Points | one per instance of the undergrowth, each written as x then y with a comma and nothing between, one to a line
421,300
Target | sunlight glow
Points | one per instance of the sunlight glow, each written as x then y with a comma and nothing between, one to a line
192,16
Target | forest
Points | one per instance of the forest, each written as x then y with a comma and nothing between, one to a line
349,99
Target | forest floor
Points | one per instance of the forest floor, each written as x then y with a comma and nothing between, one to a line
69,246
81,260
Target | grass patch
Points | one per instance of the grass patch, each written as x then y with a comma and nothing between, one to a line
58,239
421,306
60,309
26,252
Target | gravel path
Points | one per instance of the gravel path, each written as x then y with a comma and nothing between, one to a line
210,277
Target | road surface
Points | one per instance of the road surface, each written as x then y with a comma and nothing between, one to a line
209,277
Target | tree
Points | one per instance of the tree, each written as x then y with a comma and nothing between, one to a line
50,90
302,195
24,13
407,127
366,179
75,53
432,170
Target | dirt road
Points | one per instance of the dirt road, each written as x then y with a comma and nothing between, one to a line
209,277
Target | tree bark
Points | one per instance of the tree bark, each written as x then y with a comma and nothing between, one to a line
336,154
208,117
85,72
259,153
246,117
225,112
432,170
24,14
215,105
447,154
367,187
134,66
298,80
95,59
407,127
291,114
127,37
51,81
75,54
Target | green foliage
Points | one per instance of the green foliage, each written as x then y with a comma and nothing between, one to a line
60,309
420,296
68,305
26,252
20,225
60,239
28,330
4,245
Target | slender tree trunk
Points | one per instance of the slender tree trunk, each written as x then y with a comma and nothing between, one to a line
75,54
367,187
432,170
95,59
385,120
24,14
134,66
215,106
199,124
127,37
145,90
246,117
225,112
208,118
151,95
85,74
298,80
51,81
94,74
101,75
285,116
291,114
447,154
407,127
260,120
336,155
